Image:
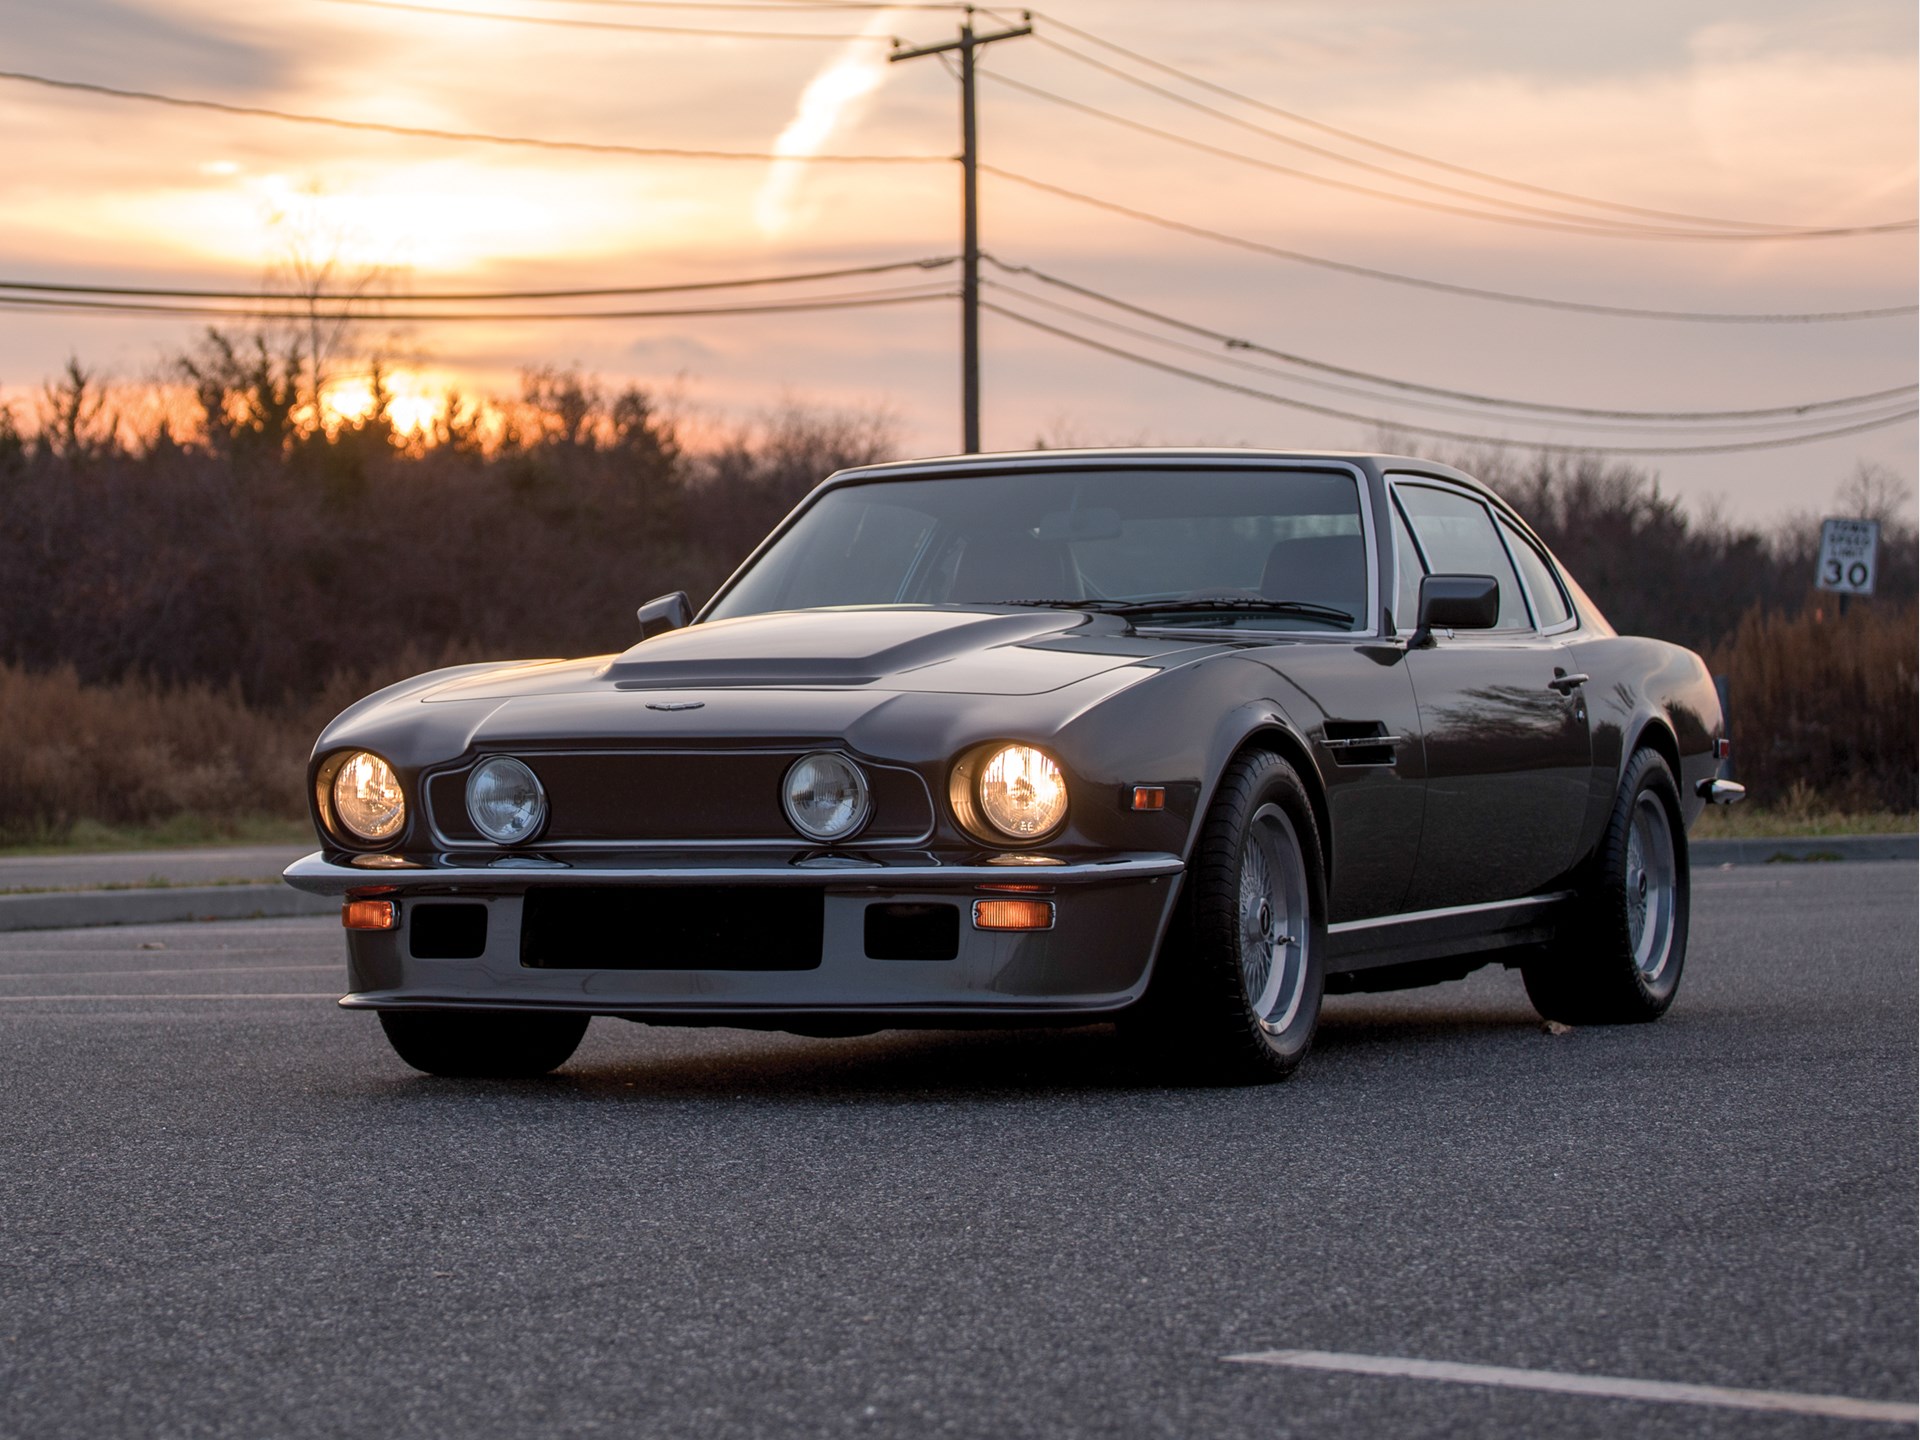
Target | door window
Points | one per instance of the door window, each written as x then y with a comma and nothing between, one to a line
1457,536
1550,606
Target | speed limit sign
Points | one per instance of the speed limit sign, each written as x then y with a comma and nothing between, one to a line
1848,549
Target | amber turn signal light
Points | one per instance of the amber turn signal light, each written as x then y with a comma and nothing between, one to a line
1013,914
370,915
1149,797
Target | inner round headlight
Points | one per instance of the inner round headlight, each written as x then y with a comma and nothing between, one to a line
1022,792
826,796
367,800
505,801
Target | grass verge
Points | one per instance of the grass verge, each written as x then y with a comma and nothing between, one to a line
184,831
1751,822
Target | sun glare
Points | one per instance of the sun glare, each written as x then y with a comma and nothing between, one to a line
415,399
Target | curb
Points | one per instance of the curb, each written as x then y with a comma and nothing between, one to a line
159,905
1805,848
170,905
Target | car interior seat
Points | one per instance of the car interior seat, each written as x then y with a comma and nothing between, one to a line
1320,570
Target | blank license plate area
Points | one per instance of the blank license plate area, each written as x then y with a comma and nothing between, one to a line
678,927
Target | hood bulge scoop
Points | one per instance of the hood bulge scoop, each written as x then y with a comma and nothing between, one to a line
981,652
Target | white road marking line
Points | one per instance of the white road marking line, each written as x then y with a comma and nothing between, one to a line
1612,1387
179,970
165,995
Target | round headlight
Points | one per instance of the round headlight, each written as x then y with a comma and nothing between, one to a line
366,797
826,796
1022,792
505,801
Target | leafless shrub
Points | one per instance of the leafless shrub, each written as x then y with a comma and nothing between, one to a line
1825,705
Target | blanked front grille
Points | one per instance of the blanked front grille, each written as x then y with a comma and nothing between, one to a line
672,927
684,795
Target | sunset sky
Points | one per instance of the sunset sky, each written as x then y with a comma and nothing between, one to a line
1776,111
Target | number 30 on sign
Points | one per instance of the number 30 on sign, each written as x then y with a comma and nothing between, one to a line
1848,549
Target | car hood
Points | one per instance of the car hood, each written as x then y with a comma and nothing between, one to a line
896,649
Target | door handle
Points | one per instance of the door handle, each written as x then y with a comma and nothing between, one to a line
1567,684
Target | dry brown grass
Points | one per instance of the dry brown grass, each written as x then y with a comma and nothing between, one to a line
1824,707
135,754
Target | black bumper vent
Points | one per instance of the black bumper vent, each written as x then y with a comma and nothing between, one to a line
446,932
672,927
912,932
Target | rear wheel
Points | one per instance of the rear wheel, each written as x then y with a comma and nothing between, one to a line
483,1044
1622,962
1236,992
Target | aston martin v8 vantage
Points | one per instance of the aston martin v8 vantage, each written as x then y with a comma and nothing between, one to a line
1183,739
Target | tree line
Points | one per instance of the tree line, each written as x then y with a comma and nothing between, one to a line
246,548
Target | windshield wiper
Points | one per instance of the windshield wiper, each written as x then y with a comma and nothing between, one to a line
1230,604
1102,607
1203,604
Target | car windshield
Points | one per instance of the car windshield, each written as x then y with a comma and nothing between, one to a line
1239,548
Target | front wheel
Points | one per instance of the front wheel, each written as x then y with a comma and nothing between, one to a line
483,1044
1622,962
1236,991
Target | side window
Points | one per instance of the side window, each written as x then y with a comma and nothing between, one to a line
1406,600
1549,601
1457,535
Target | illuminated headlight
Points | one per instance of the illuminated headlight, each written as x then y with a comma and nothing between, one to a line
367,802
505,801
826,796
1022,792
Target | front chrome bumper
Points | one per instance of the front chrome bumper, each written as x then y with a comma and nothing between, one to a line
451,874
1110,915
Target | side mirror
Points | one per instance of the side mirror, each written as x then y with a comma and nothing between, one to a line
667,612
1455,602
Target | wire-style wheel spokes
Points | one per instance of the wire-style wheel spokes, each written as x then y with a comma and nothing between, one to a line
1275,927
1652,885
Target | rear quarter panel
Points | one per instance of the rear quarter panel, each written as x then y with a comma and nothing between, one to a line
1645,692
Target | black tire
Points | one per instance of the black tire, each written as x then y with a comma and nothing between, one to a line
483,1044
1202,1017
1620,959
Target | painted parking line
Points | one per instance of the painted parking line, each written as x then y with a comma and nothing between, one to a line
173,970
1610,1387
167,995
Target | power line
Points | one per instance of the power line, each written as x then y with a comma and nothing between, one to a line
1353,136
570,24
1233,342
855,301
1431,431
1475,292
763,7
423,297
1483,415
1566,222
464,136
766,5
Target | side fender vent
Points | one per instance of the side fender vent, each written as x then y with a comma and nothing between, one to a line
1360,742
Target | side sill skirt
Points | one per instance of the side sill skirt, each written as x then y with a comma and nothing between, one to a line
1435,934
1415,917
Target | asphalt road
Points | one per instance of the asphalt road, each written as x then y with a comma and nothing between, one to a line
226,1209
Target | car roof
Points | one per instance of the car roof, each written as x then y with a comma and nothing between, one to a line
1142,457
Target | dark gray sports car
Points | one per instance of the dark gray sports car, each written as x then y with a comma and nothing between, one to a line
1182,738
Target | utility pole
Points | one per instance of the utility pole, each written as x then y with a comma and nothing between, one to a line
967,45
